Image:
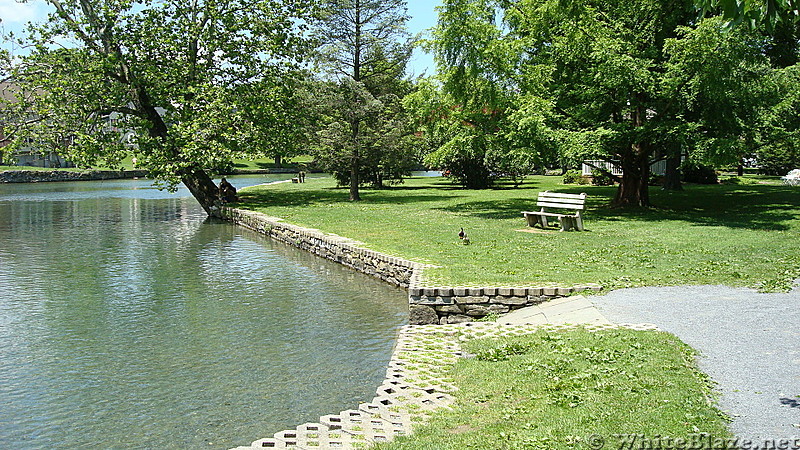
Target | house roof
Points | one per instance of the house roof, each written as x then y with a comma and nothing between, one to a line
8,91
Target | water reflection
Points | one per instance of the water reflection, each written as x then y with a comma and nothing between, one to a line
132,322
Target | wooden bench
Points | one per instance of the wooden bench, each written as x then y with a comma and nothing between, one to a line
551,200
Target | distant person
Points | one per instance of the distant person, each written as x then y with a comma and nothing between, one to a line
302,176
227,193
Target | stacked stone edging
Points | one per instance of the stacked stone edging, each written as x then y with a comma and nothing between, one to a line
40,176
427,304
347,252
443,305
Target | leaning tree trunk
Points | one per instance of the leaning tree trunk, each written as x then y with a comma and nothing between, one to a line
203,189
633,189
195,178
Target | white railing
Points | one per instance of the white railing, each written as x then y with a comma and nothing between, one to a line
588,166
657,168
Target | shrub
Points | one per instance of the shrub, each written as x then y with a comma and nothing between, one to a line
779,160
655,180
700,174
572,176
601,178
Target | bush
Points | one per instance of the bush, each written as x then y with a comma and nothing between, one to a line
572,176
655,180
779,160
601,178
700,174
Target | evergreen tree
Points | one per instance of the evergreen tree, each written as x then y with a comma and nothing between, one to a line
365,47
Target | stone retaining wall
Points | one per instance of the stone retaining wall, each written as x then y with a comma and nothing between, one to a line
445,305
427,304
39,176
345,251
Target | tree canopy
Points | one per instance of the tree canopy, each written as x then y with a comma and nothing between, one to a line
629,83
753,13
167,72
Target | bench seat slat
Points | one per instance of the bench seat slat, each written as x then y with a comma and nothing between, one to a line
548,214
560,205
558,194
568,201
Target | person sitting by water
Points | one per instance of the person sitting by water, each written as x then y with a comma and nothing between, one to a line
227,193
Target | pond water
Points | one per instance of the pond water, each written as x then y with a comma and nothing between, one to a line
128,320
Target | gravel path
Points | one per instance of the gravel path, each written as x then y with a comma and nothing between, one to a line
749,344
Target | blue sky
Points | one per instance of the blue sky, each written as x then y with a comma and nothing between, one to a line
14,15
423,17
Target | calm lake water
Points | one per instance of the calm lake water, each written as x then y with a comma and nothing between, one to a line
127,320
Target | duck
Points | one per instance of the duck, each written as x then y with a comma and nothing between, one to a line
461,234
466,239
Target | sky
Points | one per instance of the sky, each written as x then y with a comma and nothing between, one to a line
13,17
423,17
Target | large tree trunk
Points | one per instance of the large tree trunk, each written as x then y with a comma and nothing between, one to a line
672,176
633,189
355,179
278,160
204,190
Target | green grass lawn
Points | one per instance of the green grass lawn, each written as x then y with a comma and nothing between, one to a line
239,164
69,169
745,233
555,390
269,163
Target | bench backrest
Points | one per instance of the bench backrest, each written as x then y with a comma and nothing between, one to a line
556,200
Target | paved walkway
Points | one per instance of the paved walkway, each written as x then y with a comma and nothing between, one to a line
576,310
749,344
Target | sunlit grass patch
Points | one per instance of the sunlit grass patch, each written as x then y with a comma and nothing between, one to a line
737,234
555,390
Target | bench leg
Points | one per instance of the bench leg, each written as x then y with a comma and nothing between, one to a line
566,223
542,221
532,220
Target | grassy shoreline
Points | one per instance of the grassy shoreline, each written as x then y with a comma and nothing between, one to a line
733,234
239,166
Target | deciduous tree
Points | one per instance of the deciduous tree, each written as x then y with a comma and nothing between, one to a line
166,70
628,82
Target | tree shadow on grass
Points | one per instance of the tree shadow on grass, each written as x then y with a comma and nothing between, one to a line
440,189
494,209
767,208
269,197
265,165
